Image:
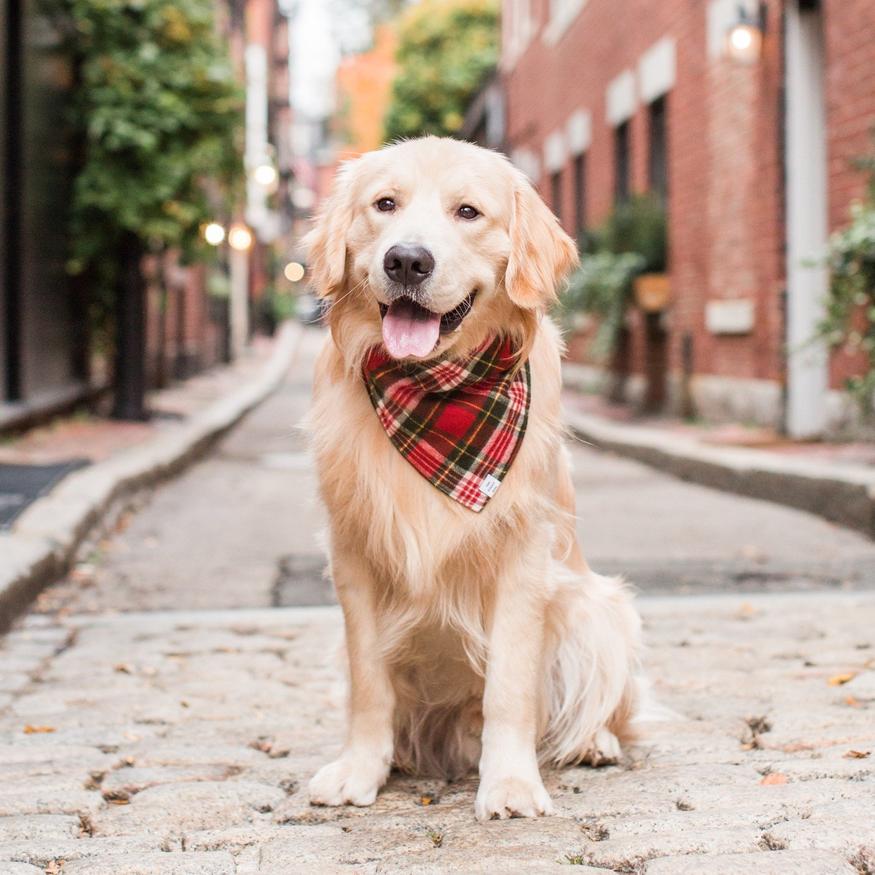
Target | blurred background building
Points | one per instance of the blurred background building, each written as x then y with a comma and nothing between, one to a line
43,343
746,118
717,140
50,354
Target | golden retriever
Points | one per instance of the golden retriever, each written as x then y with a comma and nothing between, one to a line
473,639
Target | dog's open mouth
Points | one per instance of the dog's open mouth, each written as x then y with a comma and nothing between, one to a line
411,329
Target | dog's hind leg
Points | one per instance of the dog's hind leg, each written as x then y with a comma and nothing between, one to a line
591,657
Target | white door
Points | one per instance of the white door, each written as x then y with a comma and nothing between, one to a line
806,174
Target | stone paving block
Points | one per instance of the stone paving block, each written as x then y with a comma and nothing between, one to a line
60,797
234,839
40,750
8,868
219,863
41,853
178,808
163,753
129,780
631,853
827,832
459,861
774,863
39,827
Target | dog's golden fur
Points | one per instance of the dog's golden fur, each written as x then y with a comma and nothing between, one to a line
472,638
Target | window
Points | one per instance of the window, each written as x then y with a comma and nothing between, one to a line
658,155
622,162
580,194
556,193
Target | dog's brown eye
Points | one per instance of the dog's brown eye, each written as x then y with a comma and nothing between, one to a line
385,205
466,211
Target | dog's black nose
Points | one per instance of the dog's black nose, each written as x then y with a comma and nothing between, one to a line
408,264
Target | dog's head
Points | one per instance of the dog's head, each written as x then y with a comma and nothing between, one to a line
430,245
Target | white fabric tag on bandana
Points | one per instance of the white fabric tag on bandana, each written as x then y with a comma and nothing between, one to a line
490,485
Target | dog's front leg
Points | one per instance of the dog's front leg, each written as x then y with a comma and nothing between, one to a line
363,766
510,781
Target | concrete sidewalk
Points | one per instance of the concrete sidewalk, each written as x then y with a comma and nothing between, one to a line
43,541
182,742
811,478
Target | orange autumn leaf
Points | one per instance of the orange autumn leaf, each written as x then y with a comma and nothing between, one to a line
857,754
773,778
34,730
853,701
839,679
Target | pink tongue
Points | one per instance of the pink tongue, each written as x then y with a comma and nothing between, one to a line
410,330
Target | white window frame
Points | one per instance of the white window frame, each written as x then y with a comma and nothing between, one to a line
518,29
562,13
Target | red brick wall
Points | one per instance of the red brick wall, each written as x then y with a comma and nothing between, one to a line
850,84
725,153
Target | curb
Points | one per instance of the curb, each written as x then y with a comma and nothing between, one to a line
42,544
843,495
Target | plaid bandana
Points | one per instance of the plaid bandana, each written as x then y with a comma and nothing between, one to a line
459,423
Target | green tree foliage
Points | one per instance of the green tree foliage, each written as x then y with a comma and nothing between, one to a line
157,112
446,48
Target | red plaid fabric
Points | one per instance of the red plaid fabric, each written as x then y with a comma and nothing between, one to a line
459,423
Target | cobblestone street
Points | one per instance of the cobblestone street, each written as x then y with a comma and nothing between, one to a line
162,709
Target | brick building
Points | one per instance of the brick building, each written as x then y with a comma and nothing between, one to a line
754,151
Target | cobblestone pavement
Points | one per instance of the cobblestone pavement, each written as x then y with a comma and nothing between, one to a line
181,742
144,731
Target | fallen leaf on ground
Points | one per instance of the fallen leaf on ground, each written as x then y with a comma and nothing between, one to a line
123,668
857,754
853,702
426,800
34,730
839,679
773,778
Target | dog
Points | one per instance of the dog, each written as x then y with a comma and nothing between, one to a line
476,633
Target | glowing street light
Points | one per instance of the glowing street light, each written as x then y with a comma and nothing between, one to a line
265,175
239,237
214,233
294,272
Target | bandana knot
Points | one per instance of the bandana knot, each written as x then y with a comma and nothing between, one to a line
459,423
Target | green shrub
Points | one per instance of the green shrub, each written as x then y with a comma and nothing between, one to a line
632,241
850,306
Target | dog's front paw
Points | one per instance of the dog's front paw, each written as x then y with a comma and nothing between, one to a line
348,781
511,797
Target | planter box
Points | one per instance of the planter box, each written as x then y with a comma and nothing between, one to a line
653,292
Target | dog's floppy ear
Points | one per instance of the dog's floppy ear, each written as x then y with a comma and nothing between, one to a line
326,242
541,253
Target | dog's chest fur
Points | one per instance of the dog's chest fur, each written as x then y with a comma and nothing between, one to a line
405,527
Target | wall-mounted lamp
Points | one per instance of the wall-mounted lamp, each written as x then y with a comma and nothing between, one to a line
744,39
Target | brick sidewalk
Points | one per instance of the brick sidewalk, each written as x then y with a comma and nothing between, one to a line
181,743
95,438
